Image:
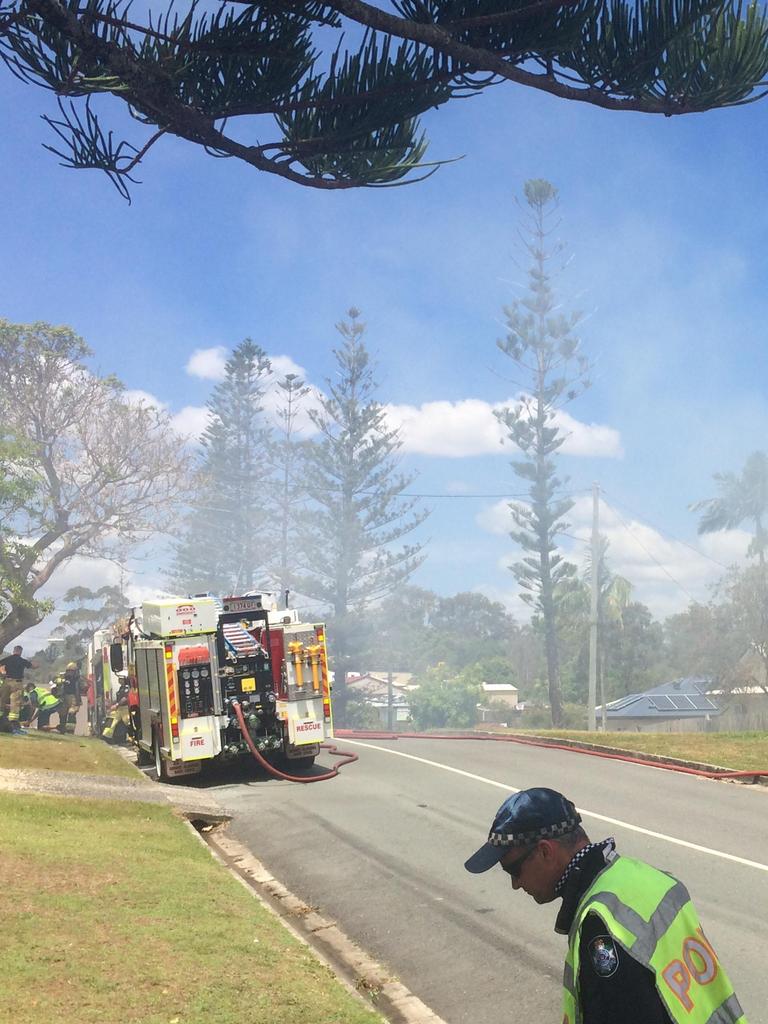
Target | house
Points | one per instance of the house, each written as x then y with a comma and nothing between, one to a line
498,693
373,688
665,708
504,692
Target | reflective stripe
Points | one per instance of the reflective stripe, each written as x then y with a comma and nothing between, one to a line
647,933
568,978
728,1012
662,932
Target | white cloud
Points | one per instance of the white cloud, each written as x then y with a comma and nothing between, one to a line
191,421
135,396
283,365
666,573
207,363
590,439
469,427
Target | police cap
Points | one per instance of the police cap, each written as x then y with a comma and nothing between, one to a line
522,820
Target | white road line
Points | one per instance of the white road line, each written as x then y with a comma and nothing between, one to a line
592,814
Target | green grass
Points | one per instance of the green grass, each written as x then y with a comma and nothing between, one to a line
113,912
740,751
46,750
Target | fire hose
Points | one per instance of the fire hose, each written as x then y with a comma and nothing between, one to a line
704,773
345,756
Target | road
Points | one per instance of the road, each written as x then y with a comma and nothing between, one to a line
381,849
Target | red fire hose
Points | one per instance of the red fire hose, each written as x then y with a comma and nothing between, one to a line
346,756
705,773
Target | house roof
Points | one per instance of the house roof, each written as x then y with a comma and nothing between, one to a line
499,687
679,698
400,680
374,689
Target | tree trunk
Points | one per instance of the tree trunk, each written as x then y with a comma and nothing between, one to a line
16,622
552,653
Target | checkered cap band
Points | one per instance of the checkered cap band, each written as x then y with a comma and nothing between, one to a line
560,828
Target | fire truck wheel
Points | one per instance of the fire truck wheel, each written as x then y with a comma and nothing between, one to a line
144,758
162,774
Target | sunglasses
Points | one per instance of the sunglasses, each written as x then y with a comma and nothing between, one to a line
514,869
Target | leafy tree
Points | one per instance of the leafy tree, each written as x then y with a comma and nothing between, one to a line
493,669
95,473
401,638
353,556
415,628
633,651
742,615
699,641
552,372
444,700
470,627
742,497
225,544
288,460
347,114
90,611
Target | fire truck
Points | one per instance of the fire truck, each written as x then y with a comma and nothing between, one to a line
103,681
218,680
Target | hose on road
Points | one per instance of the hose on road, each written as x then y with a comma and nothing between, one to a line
345,756
685,769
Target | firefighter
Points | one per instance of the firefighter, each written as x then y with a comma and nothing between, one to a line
46,703
134,713
15,667
118,723
71,694
636,951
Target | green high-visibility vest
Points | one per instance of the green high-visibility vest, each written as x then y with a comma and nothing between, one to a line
45,699
650,914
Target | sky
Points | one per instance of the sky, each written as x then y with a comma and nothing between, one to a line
665,224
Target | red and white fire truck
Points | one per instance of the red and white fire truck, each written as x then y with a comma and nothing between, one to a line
218,680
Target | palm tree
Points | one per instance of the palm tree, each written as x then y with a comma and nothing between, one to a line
613,595
743,497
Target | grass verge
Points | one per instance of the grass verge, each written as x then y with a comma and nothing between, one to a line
138,924
740,751
41,751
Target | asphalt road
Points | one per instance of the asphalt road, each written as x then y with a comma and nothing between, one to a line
381,849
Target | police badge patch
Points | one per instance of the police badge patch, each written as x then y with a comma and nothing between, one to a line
605,959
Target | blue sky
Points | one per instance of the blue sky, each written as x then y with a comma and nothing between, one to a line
666,224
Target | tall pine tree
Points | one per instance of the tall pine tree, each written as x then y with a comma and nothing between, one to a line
352,549
224,547
290,487
550,372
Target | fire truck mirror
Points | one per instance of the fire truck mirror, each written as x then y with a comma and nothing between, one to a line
116,657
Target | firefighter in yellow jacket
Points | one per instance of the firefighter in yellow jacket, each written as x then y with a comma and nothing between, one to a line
70,691
636,950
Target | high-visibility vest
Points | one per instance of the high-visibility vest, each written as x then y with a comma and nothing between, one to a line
650,914
45,699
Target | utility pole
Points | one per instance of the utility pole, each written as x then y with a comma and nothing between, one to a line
390,704
591,724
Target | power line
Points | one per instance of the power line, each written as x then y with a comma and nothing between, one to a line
670,536
649,553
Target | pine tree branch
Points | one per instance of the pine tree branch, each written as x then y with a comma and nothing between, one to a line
438,39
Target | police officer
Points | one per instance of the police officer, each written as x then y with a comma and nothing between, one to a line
636,951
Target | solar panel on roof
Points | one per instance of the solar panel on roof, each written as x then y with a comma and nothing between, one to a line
623,702
703,703
682,702
661,702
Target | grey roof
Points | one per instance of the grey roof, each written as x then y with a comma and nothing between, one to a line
680,698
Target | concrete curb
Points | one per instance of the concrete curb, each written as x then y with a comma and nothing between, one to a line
352,965
660,759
